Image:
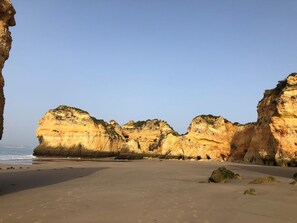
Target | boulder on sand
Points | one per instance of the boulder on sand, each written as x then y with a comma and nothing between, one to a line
264,180
222,175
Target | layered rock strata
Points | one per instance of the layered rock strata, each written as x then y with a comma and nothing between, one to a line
7,13
271,140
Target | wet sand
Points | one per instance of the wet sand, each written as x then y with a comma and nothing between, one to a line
142,191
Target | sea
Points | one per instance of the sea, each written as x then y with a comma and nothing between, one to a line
16,155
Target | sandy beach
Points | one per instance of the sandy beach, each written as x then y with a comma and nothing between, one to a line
142,191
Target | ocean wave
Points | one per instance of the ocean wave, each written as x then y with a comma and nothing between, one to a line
17,157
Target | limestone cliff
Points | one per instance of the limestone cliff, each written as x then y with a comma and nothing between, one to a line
208,137
7,13
241,141
275,136
271,140
70,131
145,136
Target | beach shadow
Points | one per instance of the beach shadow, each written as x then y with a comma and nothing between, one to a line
286,172
11,182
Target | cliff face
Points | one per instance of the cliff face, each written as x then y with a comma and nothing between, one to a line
241,141
275,136
271,140
145,136
68,131
7,13
212,134
71,130
208,137
66,128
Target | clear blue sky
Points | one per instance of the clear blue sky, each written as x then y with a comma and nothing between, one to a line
141,59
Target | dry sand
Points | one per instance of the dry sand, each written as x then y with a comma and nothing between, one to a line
142,191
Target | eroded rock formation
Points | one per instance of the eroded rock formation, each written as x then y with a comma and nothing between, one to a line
275,136
241,141
71,131
271,140
208,137
7,13
146,136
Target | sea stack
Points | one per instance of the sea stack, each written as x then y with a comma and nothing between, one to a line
7,13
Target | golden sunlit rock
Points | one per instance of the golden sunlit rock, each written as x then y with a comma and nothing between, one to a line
271,140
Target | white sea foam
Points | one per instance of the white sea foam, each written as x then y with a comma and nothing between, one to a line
17,157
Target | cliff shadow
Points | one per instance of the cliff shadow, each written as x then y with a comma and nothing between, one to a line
240,142
267,170
11,182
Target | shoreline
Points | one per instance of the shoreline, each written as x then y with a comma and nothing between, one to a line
124,158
